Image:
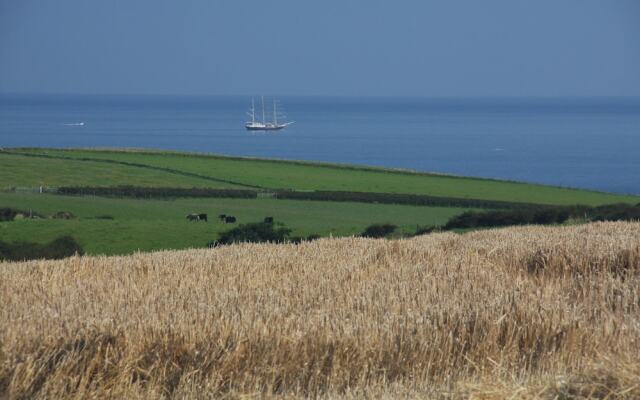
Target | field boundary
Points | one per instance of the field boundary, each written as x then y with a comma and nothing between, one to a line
326,196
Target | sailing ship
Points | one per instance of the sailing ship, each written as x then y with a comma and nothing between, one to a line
263,125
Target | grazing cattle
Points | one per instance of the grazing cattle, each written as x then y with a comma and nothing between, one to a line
229,219
197,217
268,220
193,217
222,217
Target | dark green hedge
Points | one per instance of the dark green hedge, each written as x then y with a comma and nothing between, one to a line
157,192
9,214
615,212
254,233
340,196
62,247
398,198
473,219
378,230
544,216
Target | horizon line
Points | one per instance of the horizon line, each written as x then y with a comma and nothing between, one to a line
424,96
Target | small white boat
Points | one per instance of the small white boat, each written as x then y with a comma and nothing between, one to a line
263,125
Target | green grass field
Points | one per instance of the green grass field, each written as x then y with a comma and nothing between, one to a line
22,171
298,176
161,224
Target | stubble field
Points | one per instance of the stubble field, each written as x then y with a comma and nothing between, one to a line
528,312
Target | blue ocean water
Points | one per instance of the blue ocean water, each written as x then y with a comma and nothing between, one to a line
577,142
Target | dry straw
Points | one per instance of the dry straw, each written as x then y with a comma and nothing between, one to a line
529,312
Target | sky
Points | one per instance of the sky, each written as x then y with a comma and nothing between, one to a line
329,47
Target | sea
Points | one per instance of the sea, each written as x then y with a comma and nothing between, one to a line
590,143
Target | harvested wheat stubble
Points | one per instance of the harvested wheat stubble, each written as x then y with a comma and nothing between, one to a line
530,311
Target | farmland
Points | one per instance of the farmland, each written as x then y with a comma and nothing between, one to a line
530,312
273,174
160,224
122,225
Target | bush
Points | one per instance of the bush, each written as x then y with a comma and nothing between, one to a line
615,212
9,214
378,231
61,247
255,233
544,216
63,215
527,216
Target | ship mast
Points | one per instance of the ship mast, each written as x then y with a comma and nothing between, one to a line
263,118
275,114
253,112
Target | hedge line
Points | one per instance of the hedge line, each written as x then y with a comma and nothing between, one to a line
544,216
527,212
156,192
398,198
9,214
339,196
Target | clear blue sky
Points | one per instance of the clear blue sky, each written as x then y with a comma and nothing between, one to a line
328,47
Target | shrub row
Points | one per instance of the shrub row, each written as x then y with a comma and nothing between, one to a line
157,192
398,198
9,214
473,219
614,212
61,247
339,196
255,233
544,216
259,232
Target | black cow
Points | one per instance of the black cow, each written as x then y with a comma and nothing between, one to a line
268,220
197,217
222,217
229,219
193,217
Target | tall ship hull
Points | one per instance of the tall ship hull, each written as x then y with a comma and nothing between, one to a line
251,127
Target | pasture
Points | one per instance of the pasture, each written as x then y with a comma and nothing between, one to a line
154,224
147,225
22,171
